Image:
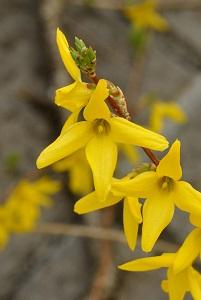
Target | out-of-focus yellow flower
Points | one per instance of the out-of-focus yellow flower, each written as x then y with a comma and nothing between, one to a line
99,133
130,152
191,247
161,111
162,189
21,210
76,95
4,227
145,16
131,212
80,176
177,284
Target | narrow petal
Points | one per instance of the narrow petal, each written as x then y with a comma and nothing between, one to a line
189,250
194,283
127,132
130,221
97,108
157,214
177,284
75,138
102,157
195,220
67,59
73,96
187,198
170,164
91,203
149,263
70,121
143,185
135,208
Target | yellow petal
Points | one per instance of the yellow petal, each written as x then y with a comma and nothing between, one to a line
130,152
189,250
70,121
170,164
97,108
194,283
73,96
143,185
91,203
75,138
135,208
130,221
195,220
67,59
157,214
149,263
80,178
101,154
126,132
187,198
46,185
164,286
177,284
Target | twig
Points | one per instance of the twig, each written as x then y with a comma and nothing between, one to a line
97,233
101,284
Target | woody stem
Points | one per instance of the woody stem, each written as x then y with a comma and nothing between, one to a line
117,109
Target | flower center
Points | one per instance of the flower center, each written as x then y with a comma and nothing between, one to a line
101,126
166,183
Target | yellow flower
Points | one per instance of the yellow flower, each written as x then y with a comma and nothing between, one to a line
4,228
76,95
99,133
131,212
177,284
80,176
191,247
144,15
160,111
23,205
162,190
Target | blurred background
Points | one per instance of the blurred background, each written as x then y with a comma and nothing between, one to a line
52,265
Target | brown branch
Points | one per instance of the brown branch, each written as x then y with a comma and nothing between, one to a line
97,233
151,156
101,283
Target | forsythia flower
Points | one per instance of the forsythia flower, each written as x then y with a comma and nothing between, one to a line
22,209
191,247
161,110
99,133
131,212
80,176
145,16
76,95
177,284
162,190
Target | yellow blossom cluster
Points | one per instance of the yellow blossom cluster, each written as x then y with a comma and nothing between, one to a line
144,15
91,138
21,209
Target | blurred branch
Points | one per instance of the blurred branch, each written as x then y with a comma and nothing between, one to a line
101,284
162,5
98,233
